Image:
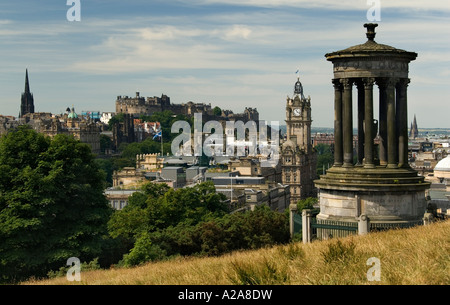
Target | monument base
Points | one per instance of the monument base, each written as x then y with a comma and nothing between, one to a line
393,196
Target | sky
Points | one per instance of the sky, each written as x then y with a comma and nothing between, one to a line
230,53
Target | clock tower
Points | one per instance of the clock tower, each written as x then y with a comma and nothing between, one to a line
299,159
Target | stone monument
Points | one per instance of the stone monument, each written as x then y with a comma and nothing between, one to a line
374,181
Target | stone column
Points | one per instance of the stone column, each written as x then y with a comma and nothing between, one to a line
369,132
363,225
383,121
392,146
347,117
361,117
306,226
338,150
292,212
402,122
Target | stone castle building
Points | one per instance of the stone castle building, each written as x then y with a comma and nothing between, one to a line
134,107
138,105
298,157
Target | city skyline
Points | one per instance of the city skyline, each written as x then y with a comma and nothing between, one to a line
232,54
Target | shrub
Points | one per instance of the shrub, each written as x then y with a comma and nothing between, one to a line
144,250
338,252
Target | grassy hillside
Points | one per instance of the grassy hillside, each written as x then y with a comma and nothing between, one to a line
419,255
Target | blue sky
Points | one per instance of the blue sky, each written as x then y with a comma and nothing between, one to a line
232,54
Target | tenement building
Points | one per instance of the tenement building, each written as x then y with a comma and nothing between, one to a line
381,185
80,127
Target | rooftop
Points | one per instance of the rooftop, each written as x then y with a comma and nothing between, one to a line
371,47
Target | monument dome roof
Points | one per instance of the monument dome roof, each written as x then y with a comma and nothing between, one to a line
370,47
443,165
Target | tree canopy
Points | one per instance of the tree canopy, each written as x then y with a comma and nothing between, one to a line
52,205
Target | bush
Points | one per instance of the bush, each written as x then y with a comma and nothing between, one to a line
91,266
249,230
144,250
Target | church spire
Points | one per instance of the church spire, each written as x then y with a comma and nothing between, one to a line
414,133
27,102
27,84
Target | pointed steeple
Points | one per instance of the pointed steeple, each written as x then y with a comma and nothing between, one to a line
27,83
27,102
414,133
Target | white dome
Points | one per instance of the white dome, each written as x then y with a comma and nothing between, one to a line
443,165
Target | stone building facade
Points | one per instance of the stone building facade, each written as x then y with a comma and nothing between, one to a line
81,128
298,157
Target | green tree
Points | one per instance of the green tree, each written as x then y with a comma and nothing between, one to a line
118,118
325,158
52,205
158,207
143,251
106,165
307,204
217,111
134,219
230,232
105,143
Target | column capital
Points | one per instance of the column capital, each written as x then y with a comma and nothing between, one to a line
368,82
387,82
403,82
347,83
337,84
391,82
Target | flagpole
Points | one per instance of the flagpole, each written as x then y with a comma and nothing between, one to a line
162,147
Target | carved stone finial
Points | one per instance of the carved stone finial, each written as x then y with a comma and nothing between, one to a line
371,30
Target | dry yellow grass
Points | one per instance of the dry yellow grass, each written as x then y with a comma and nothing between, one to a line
419,255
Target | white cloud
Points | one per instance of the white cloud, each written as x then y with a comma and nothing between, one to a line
238,31
232,59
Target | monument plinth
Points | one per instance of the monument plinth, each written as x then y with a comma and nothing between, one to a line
380,184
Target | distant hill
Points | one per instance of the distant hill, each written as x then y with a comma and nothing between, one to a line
313,130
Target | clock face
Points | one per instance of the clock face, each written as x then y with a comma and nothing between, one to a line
297,112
